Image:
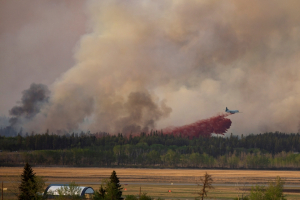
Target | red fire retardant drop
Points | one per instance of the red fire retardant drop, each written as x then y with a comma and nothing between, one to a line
217,124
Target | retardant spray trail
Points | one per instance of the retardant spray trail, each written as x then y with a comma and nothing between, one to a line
217,124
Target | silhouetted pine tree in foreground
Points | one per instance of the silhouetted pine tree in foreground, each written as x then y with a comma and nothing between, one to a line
28,187
115,180
111,189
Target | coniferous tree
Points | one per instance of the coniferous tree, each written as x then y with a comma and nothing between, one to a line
100,194
28,187
112,192
115,180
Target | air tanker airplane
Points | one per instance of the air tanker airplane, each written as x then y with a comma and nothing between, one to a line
231,111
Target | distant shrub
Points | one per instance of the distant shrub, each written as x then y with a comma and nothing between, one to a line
273,192
131,197
244,198
145,197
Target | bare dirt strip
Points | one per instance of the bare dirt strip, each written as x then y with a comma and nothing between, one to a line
156,175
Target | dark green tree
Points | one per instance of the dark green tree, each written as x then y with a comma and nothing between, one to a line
100,194
115,180
110,189
112,192
28,188
131,197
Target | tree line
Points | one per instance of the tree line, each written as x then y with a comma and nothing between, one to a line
267,142
129,156
268,150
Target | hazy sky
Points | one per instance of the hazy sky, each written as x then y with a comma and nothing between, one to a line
37,40
122,66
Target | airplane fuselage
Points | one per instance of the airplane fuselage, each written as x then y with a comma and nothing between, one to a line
231,111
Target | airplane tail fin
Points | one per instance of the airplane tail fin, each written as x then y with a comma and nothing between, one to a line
226,109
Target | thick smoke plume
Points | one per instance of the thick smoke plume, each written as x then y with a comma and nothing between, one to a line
146,64
217,124
32,101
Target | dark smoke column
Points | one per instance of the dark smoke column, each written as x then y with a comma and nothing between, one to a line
217,124
32,101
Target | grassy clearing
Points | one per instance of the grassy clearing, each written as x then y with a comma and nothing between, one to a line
156,175
189,192
181,192
93,176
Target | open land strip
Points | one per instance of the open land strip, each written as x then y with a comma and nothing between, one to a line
158,182
157,175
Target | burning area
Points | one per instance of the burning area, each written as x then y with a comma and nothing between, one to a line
218,124
137,65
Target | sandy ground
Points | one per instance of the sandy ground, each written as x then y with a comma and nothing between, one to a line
156,175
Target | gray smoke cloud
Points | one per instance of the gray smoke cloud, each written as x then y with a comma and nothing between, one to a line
4,121
32,101
151,64
143,113
37,40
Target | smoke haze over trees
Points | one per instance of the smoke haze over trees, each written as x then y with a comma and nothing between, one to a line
143,65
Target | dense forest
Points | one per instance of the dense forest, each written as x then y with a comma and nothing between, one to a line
268,150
